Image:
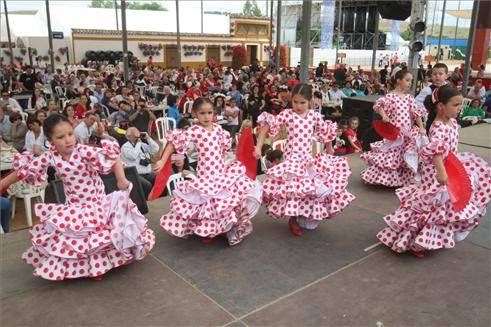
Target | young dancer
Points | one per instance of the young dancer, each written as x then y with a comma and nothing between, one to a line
303,188
222,199
426,219
91,232
387,163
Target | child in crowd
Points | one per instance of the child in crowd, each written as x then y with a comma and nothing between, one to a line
274,158
92,232
439,75
339,144
291,188
353,144
387,161
222,199
426,219
232,113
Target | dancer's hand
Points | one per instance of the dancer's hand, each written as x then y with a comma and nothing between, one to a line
385,118
257,152
123,184
159,165
441,177
422,131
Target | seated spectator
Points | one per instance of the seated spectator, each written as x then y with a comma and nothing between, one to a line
478,91
37,100
487,106
35,142
339,144
335,93
69,112
348,90
18,130
142,117
474,113
480,71
137,153
235,94
52,107
41,116
82,107
4,125
85,128
172,111
8,101
120,118
273,158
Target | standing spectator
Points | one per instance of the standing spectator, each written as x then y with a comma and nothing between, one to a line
137,153
235,94
232,113
340,74
142,117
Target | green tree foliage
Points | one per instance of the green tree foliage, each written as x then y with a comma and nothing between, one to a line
135,5
251,9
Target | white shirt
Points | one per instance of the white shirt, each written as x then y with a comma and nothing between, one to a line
13,103
31,141
131,154
472,94
232,121
336,95
82,133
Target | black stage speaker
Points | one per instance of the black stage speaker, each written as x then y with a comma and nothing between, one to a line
109,180
395,9
348,19
362,107
372,12
361,19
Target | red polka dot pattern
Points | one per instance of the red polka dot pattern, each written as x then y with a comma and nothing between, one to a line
425,219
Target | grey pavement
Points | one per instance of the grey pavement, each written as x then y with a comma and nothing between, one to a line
337,275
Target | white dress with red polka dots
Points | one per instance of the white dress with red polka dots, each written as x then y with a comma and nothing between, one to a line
221,200
426,219
92,232
311,188
387,163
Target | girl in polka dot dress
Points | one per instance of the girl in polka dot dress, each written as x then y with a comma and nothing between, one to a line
387,162
92,232
426,219
303,188
222,199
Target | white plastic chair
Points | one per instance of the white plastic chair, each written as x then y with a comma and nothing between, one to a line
465,103
27,194
174,179
263,164
163,125
279,145
141,90
105,111
187,108
24,116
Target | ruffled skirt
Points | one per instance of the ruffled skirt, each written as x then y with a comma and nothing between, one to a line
312,189
216,204
392,163
87,240
426,219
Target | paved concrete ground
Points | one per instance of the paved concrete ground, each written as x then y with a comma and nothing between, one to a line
335,276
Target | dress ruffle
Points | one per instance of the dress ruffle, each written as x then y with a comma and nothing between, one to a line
266,118
211,205
426,219
393,163
87,240
312,188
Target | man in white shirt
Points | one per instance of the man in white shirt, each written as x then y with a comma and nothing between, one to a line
35,144
478,91
84,130
137,153
335,93
8,101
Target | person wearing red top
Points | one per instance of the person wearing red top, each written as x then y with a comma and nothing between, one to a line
354,145
82,107
292,82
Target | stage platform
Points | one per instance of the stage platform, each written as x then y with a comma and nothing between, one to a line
335,276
